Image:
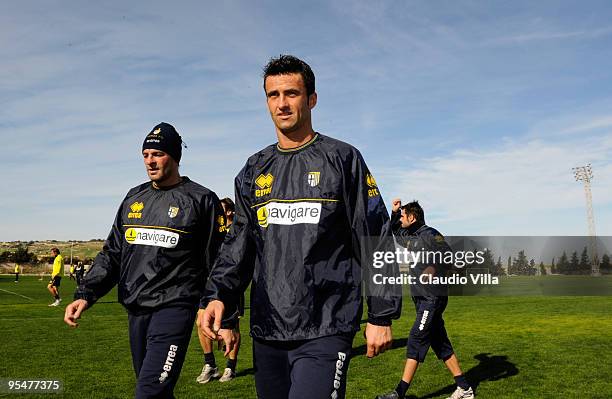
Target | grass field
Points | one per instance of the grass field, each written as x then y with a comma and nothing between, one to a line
509,346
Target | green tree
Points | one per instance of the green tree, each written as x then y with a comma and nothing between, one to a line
531,271
5,256
605,263
574,264
498,269
488,261
520,265
22,255
585,262
511,268
552,267
542,269
563,265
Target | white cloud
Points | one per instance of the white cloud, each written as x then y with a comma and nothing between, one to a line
80,86
511,188
598,123
522,38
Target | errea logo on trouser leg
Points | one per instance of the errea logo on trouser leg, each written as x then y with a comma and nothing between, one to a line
169,362
339,374
423,320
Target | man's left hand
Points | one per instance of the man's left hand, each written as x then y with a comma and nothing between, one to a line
229,338
378,339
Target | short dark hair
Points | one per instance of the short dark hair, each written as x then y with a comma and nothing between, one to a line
414,208
229,204
56,250
286,64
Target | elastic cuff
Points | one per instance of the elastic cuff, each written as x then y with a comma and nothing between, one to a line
81,295
229,324
204,301
379,321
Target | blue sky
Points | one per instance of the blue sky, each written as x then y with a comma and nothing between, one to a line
477,109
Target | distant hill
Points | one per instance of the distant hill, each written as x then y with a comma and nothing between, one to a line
42,249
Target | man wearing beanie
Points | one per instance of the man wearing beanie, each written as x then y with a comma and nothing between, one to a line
159,251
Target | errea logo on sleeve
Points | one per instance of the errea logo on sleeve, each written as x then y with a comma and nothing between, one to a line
373,187
136,210
152,237
221,224
264,182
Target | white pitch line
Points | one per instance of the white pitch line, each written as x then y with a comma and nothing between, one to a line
14,293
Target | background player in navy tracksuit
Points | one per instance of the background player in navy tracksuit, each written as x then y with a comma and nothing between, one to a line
79,272
428,330
210,369
304,209
159,251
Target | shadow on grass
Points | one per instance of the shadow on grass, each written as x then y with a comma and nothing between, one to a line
245,372
490,368
362,349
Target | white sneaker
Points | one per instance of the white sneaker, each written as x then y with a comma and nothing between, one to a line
55,303
462,394
228,375
207,373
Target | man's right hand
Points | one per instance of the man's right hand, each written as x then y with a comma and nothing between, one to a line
397,204
73,312
210,319
378,339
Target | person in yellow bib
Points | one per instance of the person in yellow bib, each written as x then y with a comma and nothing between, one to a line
71,275
17,269
56,276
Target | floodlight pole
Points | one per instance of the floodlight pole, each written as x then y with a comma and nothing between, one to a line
585,175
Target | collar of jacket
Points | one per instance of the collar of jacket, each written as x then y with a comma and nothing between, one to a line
183,180
299,148
414,227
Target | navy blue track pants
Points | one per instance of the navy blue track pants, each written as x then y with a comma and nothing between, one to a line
428,329
309,369
159,342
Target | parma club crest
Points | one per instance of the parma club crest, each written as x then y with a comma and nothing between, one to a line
173,211
314,178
